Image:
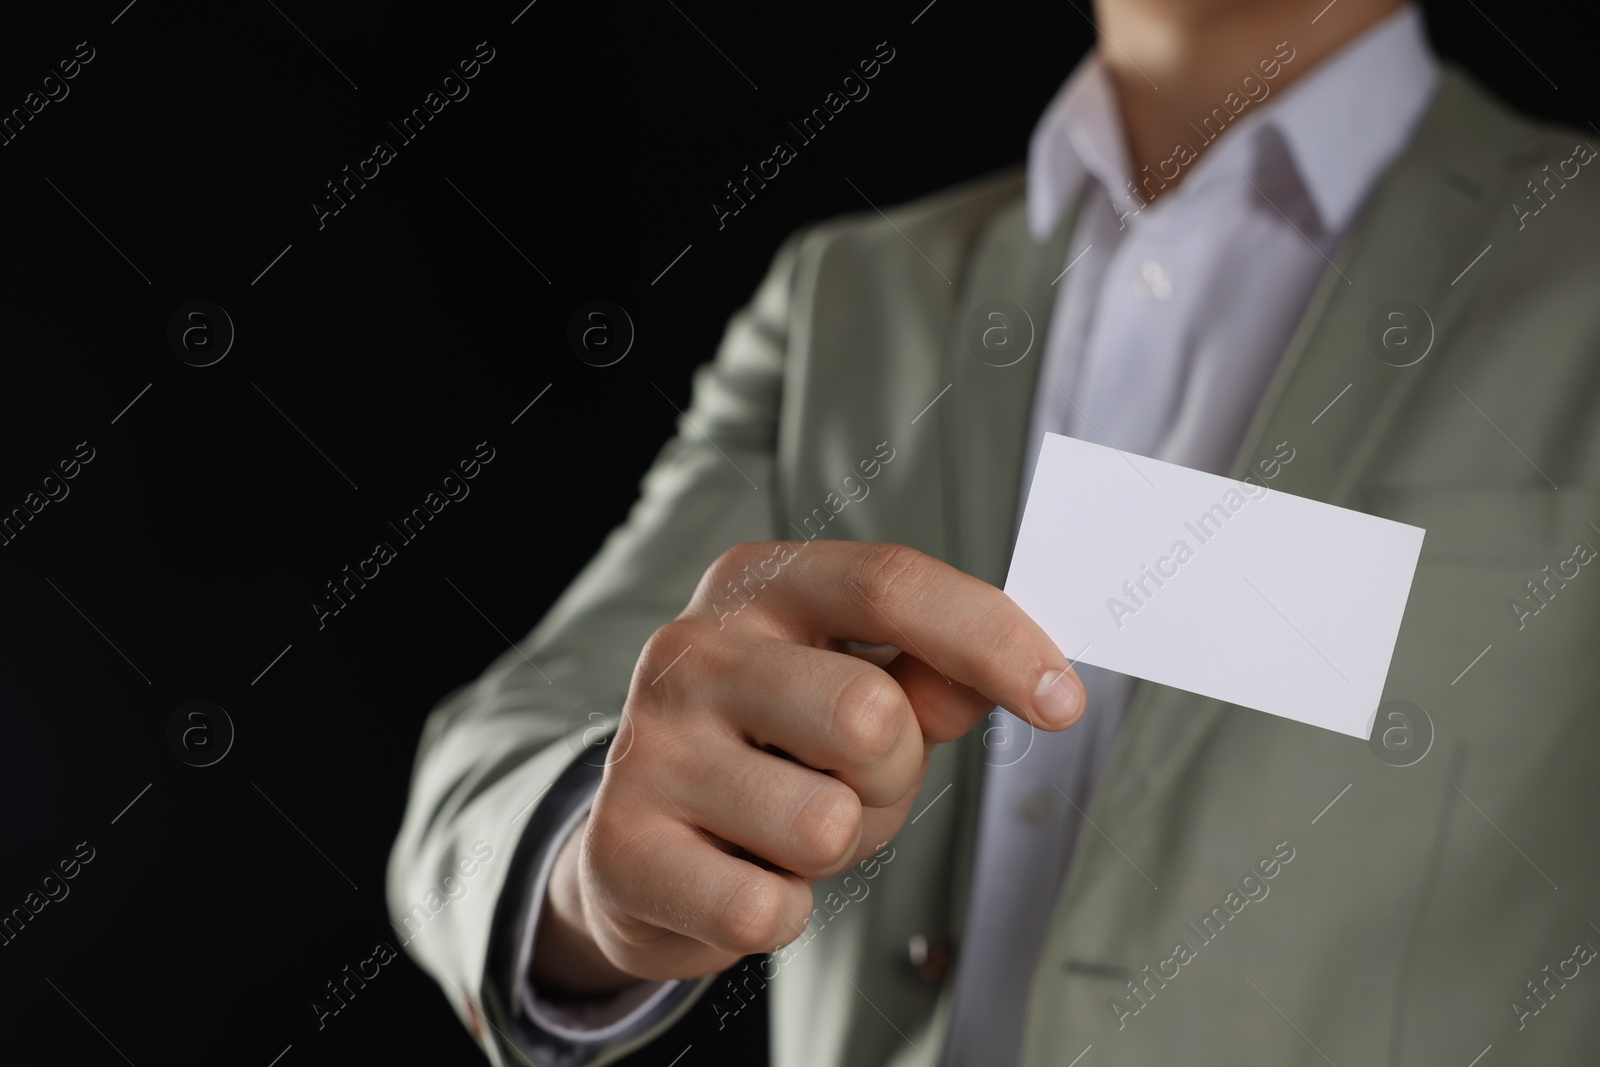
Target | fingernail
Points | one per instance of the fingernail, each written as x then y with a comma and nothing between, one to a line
1056,699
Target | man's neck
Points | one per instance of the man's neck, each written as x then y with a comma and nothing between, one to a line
1173,61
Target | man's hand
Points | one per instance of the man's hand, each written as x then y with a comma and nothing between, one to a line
757,755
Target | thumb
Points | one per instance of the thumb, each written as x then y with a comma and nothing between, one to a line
946,709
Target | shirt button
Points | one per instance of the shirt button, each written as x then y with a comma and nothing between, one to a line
1153,283
1036,807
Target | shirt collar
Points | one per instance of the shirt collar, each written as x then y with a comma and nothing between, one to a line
1343,123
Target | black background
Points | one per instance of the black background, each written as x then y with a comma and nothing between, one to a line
396,337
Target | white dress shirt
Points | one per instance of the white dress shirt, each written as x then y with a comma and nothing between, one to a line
1168,324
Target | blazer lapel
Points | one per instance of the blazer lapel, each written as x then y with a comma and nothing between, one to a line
986,418
1332,398
984,424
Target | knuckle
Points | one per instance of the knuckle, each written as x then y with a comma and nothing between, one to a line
887,572
868,717
734,561
734,581
661,648
826,827
736,556
655,645
752,917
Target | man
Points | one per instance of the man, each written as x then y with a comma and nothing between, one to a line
1249,238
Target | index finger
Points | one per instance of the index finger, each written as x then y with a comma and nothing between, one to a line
962,627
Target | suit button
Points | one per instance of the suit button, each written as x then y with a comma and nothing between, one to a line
931,958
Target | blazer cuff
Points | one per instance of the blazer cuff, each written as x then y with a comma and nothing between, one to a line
567,1031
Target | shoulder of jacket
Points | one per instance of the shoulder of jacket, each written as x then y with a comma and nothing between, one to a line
1473,131
954,213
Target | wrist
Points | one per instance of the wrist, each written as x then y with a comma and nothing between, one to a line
567,960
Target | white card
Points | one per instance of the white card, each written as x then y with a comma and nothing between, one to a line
1224,588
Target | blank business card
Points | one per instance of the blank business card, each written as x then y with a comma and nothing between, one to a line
1224,588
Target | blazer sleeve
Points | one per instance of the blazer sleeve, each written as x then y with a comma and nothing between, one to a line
501,764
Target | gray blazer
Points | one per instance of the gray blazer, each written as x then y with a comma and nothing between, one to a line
1431,911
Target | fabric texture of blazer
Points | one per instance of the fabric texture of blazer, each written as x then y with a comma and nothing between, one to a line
1434,909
